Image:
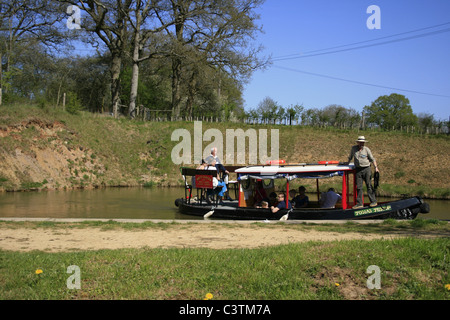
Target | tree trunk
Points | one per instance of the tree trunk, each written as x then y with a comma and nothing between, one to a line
115,82
191,93
134,90
176,84
135,69
1,80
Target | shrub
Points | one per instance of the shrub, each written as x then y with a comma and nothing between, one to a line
73,104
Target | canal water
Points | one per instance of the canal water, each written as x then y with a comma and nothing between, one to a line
122,203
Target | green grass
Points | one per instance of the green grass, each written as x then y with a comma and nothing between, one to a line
388,226
410,269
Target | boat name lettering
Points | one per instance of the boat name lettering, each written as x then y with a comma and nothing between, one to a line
372,210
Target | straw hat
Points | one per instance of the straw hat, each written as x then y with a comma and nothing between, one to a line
361,139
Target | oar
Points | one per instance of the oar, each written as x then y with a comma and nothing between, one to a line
209,214
286,216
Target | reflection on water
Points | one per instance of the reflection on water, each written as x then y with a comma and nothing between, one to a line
114,203
122,203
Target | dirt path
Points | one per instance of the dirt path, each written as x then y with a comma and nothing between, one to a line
215,236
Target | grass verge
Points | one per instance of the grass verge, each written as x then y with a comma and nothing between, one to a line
411,268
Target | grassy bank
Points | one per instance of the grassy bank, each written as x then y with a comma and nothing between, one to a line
411,268
51,149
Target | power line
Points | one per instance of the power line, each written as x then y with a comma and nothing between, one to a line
314,52
358,82
380,38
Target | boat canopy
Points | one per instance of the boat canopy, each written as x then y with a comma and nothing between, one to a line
292,172
291,177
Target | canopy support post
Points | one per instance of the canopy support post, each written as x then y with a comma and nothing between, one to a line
318,192
344,190
287,192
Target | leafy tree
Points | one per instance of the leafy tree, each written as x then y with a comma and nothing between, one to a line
253,115
311,117
426,120
73,104
24,23
294,111
291,113
390,112
339,116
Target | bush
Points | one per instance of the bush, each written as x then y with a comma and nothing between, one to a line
73,104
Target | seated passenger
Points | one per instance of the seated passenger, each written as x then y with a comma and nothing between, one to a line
292,194
302,200
273,200
264,205
260,192
216,183
329,199
281,204
202,166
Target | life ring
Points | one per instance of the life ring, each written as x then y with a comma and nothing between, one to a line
328,162
275,162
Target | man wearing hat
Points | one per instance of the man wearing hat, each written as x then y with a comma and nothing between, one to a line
363,157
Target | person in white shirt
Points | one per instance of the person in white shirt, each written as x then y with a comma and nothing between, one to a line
329,199
220,168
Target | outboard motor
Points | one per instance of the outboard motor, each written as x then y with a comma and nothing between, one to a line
424,208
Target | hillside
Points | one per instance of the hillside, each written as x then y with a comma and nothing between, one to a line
51,149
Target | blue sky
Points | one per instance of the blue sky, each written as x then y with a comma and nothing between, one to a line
294,27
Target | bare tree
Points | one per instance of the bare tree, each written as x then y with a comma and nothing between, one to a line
108,19
145,42
209,33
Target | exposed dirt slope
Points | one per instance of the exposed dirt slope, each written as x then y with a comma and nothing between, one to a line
45,150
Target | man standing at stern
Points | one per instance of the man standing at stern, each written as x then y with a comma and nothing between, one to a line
363,158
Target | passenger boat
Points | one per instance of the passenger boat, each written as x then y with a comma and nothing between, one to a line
250,178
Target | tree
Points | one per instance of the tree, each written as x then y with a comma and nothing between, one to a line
291,113
24,22
280,114
209,33
294,111
107,19
253,116
390,112
339,116
268,109
141,11
144,40
426,121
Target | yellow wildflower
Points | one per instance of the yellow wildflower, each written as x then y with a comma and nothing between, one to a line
208,296
447,286
336,284
38,271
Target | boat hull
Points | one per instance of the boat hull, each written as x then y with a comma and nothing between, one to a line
406,209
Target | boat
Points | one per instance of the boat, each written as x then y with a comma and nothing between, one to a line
251,178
